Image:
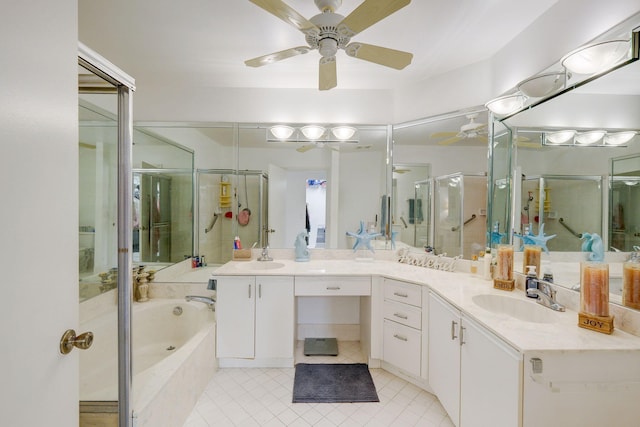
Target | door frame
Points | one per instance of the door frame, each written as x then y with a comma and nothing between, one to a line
125,85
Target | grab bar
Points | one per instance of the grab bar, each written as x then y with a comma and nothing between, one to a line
457,227
578,235
213,222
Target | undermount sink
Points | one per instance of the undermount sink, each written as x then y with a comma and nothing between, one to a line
261,265
528,311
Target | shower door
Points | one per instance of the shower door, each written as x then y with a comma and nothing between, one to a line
564,205
448,215
155,218
422,221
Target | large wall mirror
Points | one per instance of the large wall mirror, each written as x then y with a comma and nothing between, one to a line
572,170
162,194
440,204
266,190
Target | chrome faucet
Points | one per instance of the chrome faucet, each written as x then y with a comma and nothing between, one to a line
265,255
546,295
211,302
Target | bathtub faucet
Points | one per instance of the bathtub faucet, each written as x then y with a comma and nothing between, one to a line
211,302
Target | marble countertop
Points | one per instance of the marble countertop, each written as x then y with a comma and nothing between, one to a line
559,331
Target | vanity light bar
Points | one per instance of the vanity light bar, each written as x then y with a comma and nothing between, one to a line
570,137
311,133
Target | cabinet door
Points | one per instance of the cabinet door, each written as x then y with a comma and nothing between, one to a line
444,355
235,311
274,317
490,379
401,347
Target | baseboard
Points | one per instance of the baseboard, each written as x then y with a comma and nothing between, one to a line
420,382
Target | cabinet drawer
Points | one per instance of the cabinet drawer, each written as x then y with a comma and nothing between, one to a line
403,292
403,313
332,286
402,347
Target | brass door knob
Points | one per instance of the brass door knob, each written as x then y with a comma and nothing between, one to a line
70,340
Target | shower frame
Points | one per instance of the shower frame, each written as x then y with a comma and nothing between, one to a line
261,214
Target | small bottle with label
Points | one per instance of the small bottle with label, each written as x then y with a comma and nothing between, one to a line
548,276
487,263
531,281
474,265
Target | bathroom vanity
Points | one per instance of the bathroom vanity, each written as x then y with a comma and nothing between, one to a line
492,357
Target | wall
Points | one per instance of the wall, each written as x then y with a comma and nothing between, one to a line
39,188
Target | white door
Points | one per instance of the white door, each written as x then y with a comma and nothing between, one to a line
235,313
277,211
39,215
490,372
274,317
444,355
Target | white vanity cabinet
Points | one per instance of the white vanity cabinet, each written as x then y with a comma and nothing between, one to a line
476,376
402,326
255,320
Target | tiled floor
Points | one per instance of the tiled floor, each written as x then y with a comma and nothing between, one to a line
262,397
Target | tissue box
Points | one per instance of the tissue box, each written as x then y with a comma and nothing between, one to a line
241,255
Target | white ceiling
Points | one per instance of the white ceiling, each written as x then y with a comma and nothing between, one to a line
204,43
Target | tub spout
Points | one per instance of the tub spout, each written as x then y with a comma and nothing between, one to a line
211,302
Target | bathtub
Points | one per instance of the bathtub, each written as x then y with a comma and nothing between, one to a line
173,359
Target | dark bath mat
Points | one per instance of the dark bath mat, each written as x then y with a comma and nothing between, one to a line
320,347
333,382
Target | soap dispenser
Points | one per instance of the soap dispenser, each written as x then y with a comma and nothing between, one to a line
531,281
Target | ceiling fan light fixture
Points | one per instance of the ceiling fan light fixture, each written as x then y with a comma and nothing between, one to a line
312,132
542,85
619,138
281,131
507,104
343,132
589,137
559,137
596,57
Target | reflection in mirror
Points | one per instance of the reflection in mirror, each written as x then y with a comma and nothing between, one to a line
411,205
624,204
452,147
499,209
323,187
162,195
98,141
575,186
460,208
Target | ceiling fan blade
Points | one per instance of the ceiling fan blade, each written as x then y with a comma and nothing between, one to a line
450,141
328,77
288,15
276,56
368,13
305,148
380,55
443,134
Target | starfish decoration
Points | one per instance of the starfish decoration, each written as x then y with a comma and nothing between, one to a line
540,239
363,238
496,237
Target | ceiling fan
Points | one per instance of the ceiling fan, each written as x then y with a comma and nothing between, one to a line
329,31
469,130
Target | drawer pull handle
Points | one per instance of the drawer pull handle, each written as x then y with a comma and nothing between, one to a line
401,295
462,329
401,316
333,288
400,337
453,329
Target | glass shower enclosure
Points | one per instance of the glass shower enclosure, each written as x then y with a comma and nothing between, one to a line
223,195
